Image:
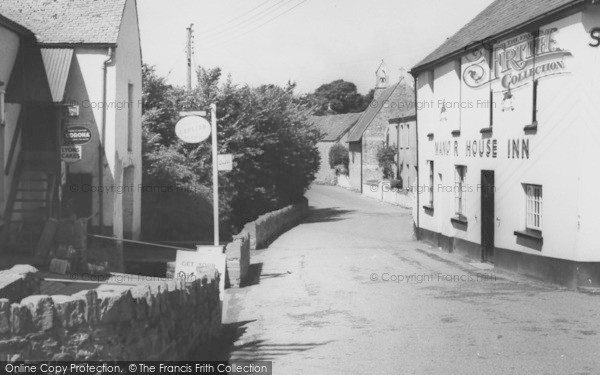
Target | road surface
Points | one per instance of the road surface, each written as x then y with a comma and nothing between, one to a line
350,292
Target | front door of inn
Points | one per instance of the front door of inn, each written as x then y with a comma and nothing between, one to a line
487,216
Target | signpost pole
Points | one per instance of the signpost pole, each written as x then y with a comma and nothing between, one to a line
215,166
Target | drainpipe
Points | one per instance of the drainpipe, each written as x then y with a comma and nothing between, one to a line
108,61
417,161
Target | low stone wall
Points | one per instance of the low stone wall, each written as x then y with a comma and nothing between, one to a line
238,260
161,321
270,226
19,282
382,191
258,235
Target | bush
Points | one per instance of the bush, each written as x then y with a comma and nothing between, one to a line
396,184
386,157
338,155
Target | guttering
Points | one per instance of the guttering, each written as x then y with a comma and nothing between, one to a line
108,61
549,16
76,45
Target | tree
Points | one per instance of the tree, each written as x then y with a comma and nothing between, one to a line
265,128
338,155
337,97
386,157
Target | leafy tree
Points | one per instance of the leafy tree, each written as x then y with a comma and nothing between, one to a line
338,155
386,157
265,128
337,97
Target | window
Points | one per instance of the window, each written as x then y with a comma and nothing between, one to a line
534,207
431,182
407,138
130,117
535,100
459,190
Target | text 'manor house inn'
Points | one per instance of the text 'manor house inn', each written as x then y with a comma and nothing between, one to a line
508,140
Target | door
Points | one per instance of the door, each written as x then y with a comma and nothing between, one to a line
40,129
487,216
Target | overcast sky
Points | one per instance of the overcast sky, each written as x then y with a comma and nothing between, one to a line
310,42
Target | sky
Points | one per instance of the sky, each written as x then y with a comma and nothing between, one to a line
310,42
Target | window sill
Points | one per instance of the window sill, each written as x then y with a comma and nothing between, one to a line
487,130
532,127
428,208
430,136
530,235
460,220
456,133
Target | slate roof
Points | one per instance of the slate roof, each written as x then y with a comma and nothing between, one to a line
497,18
333,127
400,99
67,21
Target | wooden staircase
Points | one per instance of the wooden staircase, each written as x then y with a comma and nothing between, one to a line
31,201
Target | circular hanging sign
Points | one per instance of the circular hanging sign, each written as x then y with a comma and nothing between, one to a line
192,129
77,135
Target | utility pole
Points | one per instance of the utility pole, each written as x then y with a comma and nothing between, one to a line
190,52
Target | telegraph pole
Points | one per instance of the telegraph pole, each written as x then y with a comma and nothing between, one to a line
190,52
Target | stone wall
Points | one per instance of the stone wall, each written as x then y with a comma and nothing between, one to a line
19,282
238,260
161,321
270,226
258,235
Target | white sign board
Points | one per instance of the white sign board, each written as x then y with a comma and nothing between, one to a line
71,154
225,162
192,129
191,265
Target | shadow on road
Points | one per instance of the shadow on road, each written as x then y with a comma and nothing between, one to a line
325,215
225,349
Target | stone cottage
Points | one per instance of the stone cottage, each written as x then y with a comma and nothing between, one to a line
373,129
335,130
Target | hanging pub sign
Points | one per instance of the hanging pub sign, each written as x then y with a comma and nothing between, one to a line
192,129
71,153
77,135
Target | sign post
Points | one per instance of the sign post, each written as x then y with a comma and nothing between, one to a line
215,170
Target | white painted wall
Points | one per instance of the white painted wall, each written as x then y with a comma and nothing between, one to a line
85,87
563,153
9,45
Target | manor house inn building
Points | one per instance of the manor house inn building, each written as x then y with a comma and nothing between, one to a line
508,140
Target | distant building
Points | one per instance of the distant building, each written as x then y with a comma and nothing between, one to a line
508,140
71,137
335,131
374,129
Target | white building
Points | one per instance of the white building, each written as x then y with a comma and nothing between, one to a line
71,66
508,112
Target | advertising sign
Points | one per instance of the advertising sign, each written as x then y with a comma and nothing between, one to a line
71,154
77,135
191,265
225,162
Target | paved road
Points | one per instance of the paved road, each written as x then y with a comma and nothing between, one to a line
317,309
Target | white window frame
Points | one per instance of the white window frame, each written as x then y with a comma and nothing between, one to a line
534,207
431,181
460,175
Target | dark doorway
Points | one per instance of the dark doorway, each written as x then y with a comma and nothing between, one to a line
40,129
487,216
78,195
